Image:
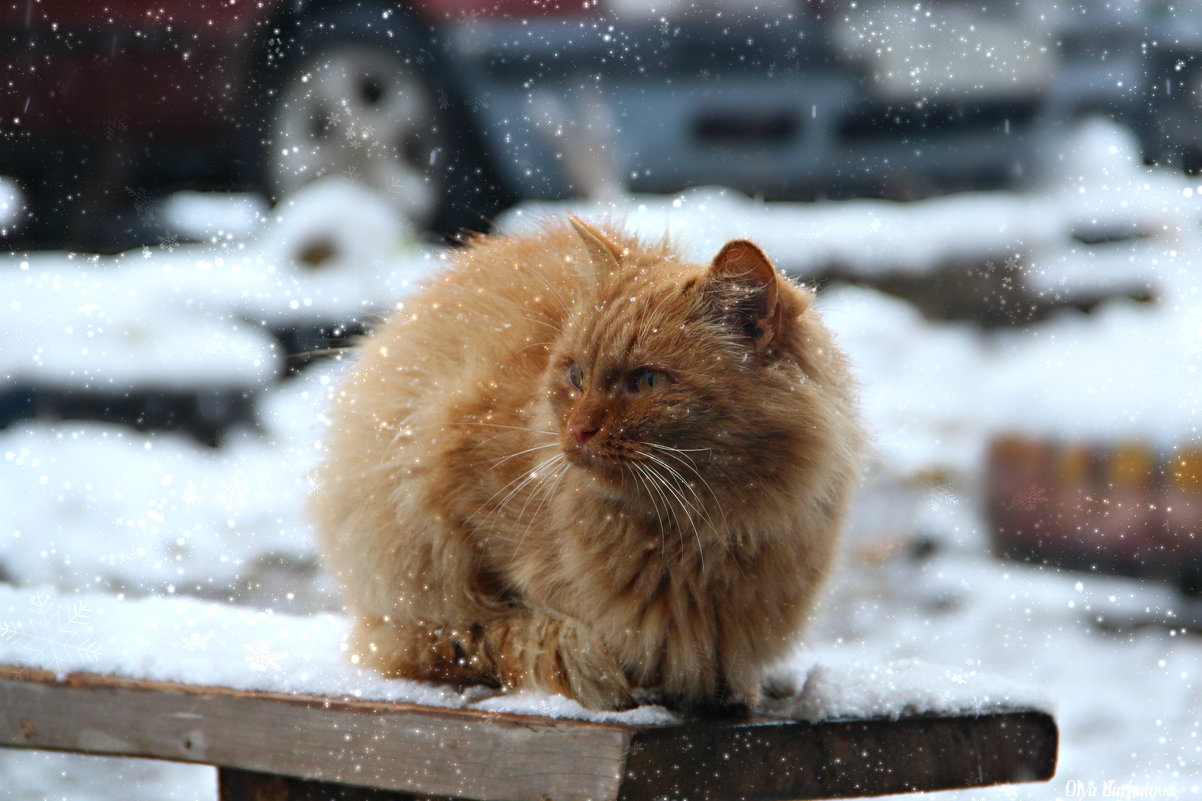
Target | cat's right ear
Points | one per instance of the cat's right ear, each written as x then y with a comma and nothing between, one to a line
746,285
605,254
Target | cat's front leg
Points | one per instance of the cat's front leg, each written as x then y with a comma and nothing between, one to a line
560,655
524,649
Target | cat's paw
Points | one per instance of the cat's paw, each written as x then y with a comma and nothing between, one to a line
588,673
556,655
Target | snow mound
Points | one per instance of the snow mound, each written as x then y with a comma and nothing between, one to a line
335,224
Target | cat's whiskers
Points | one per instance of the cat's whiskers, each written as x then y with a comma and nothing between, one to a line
558,329
699,506
521,481
685,505
681,456
502,433
511,428
544,345
652,483
547,487
658,515
497,463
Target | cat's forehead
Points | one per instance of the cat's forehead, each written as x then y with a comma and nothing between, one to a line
634,316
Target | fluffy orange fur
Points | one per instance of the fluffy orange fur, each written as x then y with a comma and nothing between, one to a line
579,463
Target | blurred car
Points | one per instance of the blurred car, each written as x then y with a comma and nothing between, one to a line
455,108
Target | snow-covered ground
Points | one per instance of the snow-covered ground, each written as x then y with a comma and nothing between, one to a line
88,508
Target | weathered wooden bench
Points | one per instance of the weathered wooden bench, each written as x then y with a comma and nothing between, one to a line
279,747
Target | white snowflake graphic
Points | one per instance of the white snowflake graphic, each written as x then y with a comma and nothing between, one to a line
232,494
191,494
942,496
53,637
196,641
478,101
113,127
143,202
1029,499
261,658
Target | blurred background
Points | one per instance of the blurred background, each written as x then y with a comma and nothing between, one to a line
201,201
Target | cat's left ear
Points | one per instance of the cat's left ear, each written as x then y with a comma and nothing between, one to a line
749,290
605,254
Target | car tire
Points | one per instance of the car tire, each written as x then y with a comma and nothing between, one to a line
344,96
357,110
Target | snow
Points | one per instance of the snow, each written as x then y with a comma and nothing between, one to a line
77,328
185,640
841,690
174,546
196,315
204,216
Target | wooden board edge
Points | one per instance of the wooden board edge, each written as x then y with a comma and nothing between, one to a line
783,759
344,703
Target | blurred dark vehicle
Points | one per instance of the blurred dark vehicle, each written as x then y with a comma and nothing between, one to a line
456,108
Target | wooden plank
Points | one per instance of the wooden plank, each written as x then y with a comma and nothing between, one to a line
389,746
472,754
773,759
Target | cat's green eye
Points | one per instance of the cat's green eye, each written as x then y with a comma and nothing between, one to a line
644,382
576,376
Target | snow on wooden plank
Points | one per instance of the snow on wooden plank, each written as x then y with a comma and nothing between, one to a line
390,746
264,738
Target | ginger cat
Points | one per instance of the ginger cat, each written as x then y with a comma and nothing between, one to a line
576,462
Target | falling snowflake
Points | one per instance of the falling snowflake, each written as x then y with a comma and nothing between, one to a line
942,497
53,637
1029,499
261,658
478,101
232,494
191,494
114,126
793,73
352,172
444,102
196,641
169,242
143,202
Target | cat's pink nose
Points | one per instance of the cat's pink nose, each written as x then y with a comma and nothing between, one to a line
583,432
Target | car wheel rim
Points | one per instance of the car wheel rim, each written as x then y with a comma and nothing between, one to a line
358,112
